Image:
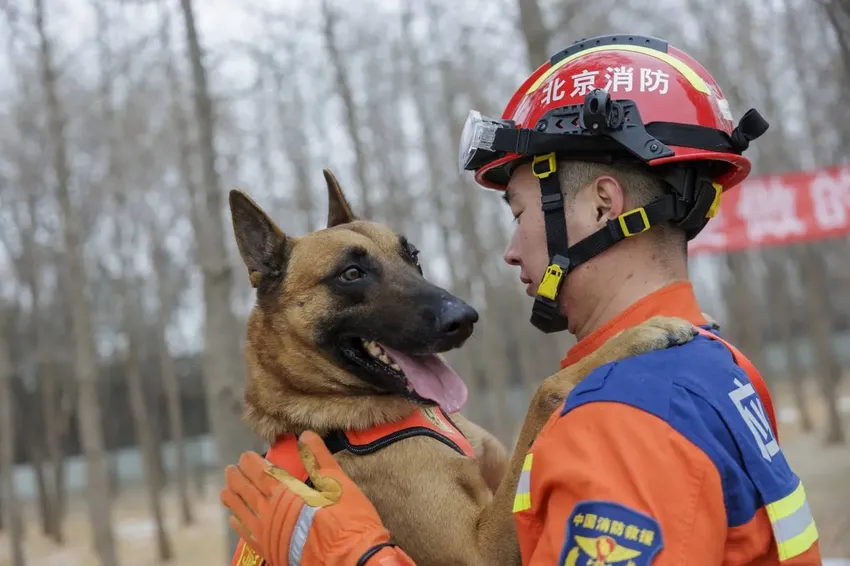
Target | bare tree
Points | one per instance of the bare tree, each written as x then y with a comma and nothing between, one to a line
534,32
222,357
11,510
141,414
827,364
85,355
132,316
169,381
352,122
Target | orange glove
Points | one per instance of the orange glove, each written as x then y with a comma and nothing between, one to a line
289,524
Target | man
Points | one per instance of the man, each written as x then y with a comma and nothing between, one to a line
612,156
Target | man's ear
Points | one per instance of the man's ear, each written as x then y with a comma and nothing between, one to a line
258,238
608,198
339,211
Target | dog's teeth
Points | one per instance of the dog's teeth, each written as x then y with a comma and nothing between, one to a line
372,347
395,366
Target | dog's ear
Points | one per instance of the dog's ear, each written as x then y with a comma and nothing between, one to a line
339,211
258,238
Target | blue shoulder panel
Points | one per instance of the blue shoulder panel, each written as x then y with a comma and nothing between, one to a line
694,387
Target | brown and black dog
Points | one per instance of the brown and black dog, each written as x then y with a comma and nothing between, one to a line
345,335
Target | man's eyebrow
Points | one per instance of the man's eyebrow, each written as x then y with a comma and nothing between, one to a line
506,196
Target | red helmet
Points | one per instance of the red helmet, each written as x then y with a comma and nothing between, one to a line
615,99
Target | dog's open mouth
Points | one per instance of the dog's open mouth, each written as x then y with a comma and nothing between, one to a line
426,376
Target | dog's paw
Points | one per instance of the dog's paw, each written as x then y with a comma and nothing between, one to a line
657,333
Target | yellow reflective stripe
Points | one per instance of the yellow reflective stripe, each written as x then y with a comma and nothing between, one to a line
522,499
522,502
793,525
526,464
690,75
787,505
799,544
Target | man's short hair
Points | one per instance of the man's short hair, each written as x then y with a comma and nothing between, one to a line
639,186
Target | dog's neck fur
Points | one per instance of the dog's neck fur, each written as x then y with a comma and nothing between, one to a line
281,397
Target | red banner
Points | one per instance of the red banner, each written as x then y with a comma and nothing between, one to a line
779,209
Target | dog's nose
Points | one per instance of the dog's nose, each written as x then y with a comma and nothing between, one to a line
457,319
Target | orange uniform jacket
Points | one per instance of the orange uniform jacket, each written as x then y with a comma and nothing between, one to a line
664,458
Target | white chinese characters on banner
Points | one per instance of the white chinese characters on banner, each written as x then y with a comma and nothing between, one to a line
830,196
768,208
617,79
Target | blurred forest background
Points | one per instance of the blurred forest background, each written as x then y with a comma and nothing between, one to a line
122,300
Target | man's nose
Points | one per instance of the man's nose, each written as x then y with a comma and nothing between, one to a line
512,256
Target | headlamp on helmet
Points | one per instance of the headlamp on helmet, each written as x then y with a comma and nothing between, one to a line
476,140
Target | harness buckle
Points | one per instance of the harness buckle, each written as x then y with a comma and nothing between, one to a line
549,161
644,220
548,287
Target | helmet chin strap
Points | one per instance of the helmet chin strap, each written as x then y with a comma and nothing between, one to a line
546,313
692,200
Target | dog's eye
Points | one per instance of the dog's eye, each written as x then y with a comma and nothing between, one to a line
352,273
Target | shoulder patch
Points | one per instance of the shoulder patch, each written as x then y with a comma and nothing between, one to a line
604,532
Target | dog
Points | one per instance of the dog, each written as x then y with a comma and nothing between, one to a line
346,335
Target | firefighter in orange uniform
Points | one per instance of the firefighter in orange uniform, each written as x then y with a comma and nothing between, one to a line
612,155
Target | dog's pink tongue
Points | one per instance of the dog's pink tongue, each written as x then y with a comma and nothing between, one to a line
432,379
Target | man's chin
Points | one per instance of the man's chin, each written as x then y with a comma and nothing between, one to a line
531,290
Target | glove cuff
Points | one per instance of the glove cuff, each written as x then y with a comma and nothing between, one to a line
372,552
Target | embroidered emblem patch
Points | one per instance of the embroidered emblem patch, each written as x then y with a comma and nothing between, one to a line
603,532
433,417
245,556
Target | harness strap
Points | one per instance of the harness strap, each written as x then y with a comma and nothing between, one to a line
755,377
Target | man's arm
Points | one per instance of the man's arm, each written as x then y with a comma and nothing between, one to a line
615,479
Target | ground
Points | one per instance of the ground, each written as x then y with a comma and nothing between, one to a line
825,472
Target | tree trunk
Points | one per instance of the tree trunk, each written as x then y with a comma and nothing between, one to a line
184,166
11,509
223,361
534,32
48,435
171,388
45,508
33,424
352,123
777,276
141,417
85,355
443,212
297,148
820,320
